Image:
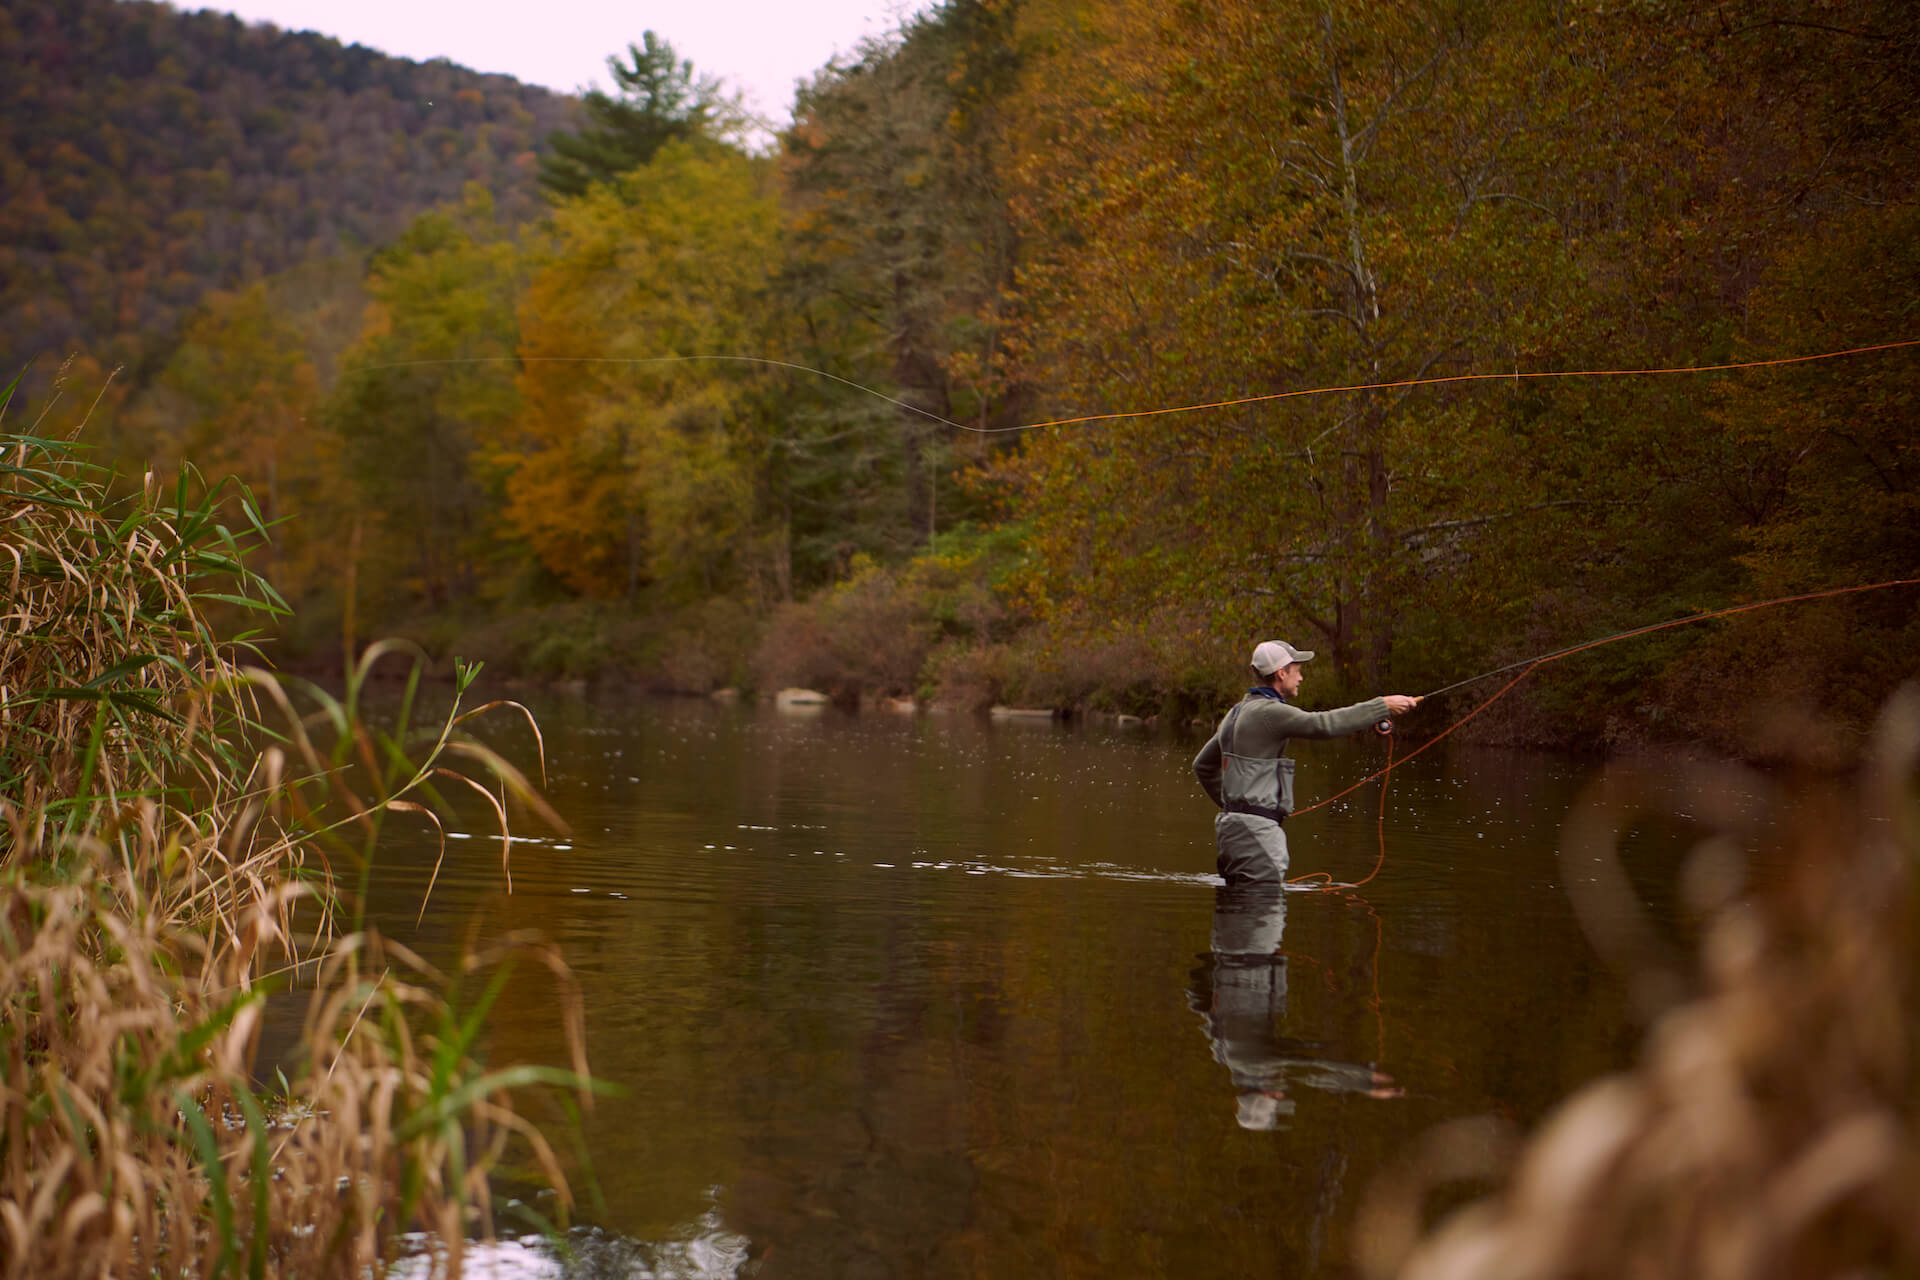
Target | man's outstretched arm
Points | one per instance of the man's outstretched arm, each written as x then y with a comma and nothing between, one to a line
1292,722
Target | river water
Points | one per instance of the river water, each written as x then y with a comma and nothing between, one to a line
933,995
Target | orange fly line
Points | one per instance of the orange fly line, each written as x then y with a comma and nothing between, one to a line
1449,378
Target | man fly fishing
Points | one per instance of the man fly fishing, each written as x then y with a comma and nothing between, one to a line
1245,770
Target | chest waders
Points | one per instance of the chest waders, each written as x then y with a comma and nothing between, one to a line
1258,795
1259,785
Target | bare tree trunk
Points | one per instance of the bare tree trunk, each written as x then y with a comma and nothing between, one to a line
635,528
1369,541
1379,548
922,384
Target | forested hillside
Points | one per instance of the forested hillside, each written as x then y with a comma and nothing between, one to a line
148,156
1014,211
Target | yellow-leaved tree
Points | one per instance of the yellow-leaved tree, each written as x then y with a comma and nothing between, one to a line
634,456
429,377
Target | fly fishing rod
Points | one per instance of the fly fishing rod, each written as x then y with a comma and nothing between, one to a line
1687,619
1386,726
1527,667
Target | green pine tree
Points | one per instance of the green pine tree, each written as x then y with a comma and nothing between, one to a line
660,100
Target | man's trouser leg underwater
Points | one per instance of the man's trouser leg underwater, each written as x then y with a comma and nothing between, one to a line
1253,850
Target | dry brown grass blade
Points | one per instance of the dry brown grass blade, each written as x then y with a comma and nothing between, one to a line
506,835
440,852
514,780
13,583
543,1153
539,740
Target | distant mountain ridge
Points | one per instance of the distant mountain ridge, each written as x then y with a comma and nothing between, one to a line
148,156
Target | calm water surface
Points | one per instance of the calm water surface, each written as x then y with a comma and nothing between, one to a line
936,996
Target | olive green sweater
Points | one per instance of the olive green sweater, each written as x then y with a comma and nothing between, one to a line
1265,724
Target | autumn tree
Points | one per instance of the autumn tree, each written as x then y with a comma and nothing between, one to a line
1262,199
899,254
240,397
1740,188
634,457
431,375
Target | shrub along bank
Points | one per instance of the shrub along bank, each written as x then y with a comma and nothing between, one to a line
951,627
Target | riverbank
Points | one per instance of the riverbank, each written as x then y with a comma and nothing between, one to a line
941,634
964,627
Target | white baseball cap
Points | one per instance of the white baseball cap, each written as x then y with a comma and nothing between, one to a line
1271,655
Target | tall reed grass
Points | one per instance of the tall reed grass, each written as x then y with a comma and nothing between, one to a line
181,834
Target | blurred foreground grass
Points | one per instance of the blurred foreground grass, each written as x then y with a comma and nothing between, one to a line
1772,1127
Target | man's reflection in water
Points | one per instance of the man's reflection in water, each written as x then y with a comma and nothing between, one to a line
1241,991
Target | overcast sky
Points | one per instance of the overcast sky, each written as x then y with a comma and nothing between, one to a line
758,46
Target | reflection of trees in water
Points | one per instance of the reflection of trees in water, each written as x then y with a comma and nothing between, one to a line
936,1167
876,1071
884,1185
